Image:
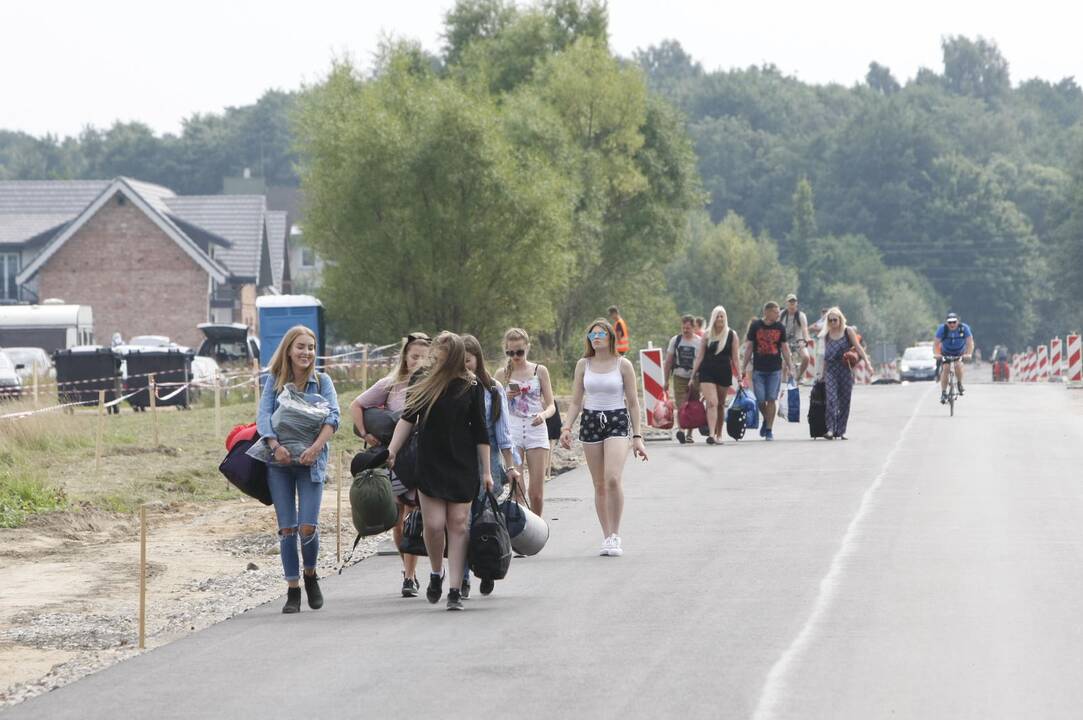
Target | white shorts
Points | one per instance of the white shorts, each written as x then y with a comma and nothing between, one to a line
527,436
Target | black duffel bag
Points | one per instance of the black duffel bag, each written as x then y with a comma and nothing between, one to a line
246,473
489,551
413,535
380,423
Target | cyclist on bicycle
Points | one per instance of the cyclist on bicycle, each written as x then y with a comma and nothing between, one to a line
953,342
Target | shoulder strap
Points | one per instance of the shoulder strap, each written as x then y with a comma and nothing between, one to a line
536,365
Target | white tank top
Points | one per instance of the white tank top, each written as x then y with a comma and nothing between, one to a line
603,391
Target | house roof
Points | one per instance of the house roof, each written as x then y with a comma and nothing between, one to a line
277,227
50,211
150,205
236,218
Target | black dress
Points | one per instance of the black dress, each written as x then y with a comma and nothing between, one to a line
447,451
716,366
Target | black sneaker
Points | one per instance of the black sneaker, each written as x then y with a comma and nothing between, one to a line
436,588
680,436
454,600
410,586
959,387
465,592
293,601
312,590
487,586
943,398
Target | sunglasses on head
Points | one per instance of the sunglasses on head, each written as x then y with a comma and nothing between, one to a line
414,337
598,335
515,353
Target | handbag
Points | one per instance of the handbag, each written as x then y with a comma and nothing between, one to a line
406,461
852,356
246,473
692,415
793,402
413,535
553,424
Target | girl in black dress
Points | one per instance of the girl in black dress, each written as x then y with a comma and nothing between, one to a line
453,444
716,363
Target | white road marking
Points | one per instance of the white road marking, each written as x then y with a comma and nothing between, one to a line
775,685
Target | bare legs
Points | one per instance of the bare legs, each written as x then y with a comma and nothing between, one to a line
715,398
605,460
537,463
440,516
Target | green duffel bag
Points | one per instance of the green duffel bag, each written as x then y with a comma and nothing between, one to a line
372,502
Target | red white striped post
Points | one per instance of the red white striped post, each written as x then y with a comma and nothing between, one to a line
1043,363
1075,362
1032,366
1015,368
654,391
1056,360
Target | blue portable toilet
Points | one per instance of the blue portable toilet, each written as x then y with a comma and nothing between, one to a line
278,313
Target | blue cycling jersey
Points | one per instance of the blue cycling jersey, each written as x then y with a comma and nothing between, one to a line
953,342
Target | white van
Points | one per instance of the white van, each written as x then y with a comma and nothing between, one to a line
53,325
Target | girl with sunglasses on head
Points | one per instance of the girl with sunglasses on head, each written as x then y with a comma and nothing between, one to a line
605,390
452,458
837,339
530,399
390,393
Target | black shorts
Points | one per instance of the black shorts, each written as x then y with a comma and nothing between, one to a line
597,426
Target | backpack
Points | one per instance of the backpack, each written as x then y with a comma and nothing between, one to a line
489,551
372,503
817,410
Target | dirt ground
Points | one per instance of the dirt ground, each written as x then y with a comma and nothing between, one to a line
70,601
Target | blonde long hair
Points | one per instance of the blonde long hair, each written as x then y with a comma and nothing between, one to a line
402,371
512,335
281,368
422,396
827,325
721,337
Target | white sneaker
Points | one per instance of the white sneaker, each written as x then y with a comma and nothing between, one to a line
615,550
607,546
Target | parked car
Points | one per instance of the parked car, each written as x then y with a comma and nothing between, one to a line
918,363
11,386
228,343
205,372
26,359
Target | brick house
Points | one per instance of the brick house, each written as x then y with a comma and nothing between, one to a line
149,262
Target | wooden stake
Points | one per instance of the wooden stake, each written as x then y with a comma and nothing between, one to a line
217,409
142,577
338,508
152,389
365,367
101,424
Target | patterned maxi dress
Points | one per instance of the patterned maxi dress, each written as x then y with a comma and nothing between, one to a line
839,380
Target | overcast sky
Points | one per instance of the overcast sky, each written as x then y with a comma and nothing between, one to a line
68,63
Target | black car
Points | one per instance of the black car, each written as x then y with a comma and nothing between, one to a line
228,343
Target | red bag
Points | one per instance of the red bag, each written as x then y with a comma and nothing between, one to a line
663,414
693,414
241,432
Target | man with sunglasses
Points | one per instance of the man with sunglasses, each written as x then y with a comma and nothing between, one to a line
954,341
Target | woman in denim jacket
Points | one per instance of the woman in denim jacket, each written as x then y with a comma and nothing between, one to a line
296,483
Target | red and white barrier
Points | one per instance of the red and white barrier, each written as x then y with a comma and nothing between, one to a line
1032,366
654,390
1015,368
1043,363
1056,360
1075,362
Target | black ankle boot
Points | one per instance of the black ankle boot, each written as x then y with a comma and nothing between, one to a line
293,601
312,590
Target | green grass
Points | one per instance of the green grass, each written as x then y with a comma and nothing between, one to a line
47,461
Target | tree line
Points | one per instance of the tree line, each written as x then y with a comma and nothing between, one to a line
525,174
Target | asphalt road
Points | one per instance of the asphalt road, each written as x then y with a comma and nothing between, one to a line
928,567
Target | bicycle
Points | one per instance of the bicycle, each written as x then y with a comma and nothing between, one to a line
953,391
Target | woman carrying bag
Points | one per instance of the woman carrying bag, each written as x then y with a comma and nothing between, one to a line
839,340
716,366
605,390
296,478
390,393
448,405
500,445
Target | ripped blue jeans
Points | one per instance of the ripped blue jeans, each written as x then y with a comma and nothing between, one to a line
297,502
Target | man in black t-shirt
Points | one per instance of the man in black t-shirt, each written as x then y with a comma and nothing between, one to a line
767,351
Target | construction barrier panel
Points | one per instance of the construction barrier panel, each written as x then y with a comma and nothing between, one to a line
1075,362
1043,363
654,390
1056,360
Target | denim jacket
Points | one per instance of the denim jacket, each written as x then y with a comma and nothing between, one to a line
268,403
499,432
